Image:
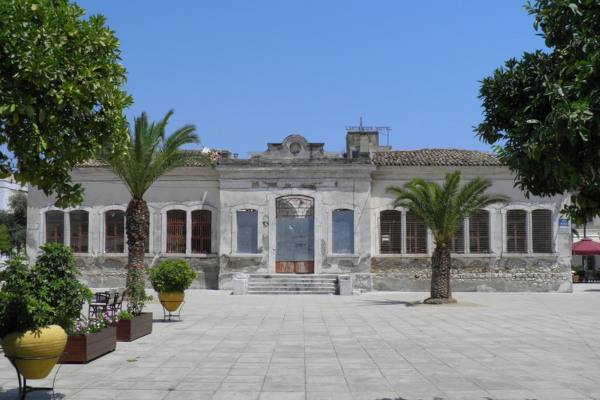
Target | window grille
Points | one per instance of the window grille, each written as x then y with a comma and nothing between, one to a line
390,232
247,231
516,231
201,234
114,235
342,231
78,223
416,235
541,231
456,244
55,227
176,228
479,232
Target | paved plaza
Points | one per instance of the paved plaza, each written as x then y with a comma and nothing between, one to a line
369,346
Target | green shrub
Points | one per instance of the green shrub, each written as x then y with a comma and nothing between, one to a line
171,276
46,294
125,315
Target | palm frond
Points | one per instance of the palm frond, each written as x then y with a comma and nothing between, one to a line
151,154
444,208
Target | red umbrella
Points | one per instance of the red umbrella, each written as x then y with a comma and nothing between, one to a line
586,247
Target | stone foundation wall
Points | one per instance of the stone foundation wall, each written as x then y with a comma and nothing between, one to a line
488,274
109,271
234,265
484,274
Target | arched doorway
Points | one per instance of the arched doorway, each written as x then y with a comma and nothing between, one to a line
295,235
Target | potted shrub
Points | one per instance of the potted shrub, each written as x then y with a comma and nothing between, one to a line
134,323
170,279
575,270
37,304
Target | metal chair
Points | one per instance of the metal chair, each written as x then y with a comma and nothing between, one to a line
118,304
101,302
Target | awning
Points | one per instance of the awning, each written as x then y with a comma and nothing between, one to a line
585,247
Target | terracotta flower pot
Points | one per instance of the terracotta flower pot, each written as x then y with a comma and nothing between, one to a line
171,300
48,342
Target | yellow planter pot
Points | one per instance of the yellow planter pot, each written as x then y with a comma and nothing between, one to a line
48,342
171,300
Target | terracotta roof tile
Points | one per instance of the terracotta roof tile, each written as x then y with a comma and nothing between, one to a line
435,157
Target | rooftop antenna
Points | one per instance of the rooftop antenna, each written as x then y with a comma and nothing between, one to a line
384,130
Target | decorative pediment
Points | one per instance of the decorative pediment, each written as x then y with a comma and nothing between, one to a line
294,147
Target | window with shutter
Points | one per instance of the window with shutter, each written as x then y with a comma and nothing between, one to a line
516,232
390,232
416,235
201,231
479,232
176,231
541,231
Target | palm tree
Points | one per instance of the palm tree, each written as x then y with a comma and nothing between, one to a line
443,210
149,155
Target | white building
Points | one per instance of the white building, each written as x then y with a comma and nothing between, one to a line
297,208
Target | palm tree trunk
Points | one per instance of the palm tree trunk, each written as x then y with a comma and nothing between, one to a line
441,264
137,223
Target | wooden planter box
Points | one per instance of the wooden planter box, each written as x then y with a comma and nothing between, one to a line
136,327
84,348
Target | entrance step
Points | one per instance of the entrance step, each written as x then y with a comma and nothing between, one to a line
292,284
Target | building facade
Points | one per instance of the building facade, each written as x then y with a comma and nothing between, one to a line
296,208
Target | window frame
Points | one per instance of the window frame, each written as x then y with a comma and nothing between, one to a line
478,236
528,210
430,245
394,229
176,232
202,238
236,238
188,229
416,225
58,227
66,226
82,233
351,240
114,237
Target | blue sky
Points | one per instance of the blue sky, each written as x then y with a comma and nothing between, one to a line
251,72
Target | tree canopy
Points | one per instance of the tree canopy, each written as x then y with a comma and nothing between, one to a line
542,111
15,220
60,93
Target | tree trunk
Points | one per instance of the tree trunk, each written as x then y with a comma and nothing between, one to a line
441,264
137,223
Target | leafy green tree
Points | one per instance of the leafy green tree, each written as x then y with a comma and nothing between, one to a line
443,210
543,110
60,93
15,220
150,154
5,245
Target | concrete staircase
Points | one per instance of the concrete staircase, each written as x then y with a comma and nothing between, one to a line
292,284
